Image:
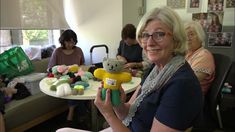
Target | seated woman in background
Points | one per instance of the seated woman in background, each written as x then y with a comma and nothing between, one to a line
200,59
130,51
68,54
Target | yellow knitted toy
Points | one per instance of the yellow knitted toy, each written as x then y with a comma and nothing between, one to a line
112,77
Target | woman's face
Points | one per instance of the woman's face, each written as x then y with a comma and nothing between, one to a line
157,42
192,39
69,44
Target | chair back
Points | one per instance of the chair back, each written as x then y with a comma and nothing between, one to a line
222,66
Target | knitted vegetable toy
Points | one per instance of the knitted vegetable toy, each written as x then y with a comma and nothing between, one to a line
67,77
112,76
62,87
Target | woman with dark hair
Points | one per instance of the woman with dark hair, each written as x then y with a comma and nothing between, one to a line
67,54
128,45
68,51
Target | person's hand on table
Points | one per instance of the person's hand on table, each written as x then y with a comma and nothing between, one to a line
122,58
130,65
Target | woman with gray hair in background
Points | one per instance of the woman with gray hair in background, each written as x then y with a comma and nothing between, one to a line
200,59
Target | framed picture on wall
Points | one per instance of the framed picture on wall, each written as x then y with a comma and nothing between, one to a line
230,3
215,21
194,6
220,39
176,4
215,5
201,18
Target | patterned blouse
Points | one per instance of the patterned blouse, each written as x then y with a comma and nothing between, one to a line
202,61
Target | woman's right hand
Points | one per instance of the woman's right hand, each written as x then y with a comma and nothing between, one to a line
122,58
122,109
104,106
122,95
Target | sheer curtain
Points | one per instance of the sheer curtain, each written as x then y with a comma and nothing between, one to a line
32,14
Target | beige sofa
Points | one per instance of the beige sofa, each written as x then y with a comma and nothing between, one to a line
21,115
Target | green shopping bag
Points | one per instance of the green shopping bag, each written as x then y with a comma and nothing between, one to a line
14,62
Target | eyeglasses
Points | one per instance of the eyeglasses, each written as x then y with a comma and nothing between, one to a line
156,36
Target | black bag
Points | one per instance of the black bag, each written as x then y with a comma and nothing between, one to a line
22,92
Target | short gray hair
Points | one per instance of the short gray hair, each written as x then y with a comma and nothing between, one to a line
197,27
172,20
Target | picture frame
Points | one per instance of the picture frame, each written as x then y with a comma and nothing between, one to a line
215,21
215,5
176,4
201,18
220,39
194,6
230,4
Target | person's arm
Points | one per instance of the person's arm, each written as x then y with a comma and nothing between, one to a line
203,67
134,95
123,109
160,127
106,109
169,115
201,75
2,123
133,65
119,57
2,108
83,58
119,52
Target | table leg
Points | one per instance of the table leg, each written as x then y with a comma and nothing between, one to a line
94,117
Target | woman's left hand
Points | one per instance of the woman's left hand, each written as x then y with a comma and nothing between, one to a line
105,107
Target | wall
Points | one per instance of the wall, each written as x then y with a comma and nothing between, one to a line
133,11
228,15
95,22
228,23
227,51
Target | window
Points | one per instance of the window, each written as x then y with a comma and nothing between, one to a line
31,22
9,38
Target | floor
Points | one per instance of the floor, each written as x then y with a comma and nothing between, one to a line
60,121
228,118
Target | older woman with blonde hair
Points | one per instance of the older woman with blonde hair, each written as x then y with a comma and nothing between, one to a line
200,59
